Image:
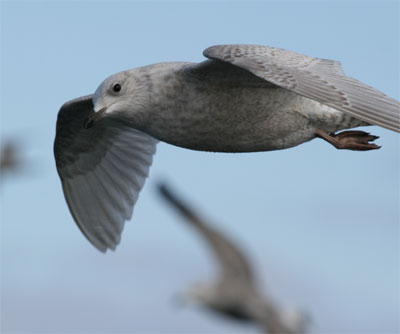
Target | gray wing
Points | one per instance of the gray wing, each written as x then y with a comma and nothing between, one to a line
319,79
232,261
102,171
218,73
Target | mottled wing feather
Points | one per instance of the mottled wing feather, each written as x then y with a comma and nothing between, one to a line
218,73
318,79
233,262
102,170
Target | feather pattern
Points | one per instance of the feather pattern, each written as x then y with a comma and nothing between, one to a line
318,79
102,170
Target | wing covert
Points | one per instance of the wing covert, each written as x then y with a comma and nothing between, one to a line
322,80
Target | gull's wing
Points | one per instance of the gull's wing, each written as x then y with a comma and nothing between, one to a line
322,80
218,73
233,262
102,171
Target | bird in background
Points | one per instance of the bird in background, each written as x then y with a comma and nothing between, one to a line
9,157
235,293
244,98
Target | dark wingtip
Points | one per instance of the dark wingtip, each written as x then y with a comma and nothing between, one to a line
174,200
165,192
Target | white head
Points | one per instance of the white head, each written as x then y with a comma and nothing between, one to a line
116,95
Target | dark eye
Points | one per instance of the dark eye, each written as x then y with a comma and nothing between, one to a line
117,87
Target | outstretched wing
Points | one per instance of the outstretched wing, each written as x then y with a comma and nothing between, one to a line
102,171
233,262
319,79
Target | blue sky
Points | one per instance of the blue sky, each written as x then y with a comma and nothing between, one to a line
321,225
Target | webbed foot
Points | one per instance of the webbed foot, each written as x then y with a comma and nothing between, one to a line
349,140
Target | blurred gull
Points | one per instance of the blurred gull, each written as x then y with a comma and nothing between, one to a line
235,293
245,98
9,159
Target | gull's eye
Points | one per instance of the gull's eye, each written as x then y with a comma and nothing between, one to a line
117,87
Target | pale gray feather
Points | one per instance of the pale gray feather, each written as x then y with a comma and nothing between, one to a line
318,79
102,170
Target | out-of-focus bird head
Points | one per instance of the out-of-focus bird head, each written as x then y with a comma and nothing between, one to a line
201,293
296,321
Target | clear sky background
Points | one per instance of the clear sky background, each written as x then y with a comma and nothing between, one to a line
320,225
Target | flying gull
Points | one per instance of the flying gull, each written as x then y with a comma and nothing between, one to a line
244,98
8,157
235,293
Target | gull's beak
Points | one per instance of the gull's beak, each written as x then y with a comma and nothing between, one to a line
94,117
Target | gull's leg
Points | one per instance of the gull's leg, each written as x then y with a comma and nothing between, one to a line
349,140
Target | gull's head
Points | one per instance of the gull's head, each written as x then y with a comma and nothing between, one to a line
296,321
115,95
201,293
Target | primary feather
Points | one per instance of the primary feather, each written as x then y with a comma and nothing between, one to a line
102,171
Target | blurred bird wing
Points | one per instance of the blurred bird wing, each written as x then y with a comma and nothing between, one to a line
102,171
322,80
233,262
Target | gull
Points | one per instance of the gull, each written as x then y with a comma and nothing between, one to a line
244,98
8,157
235,294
